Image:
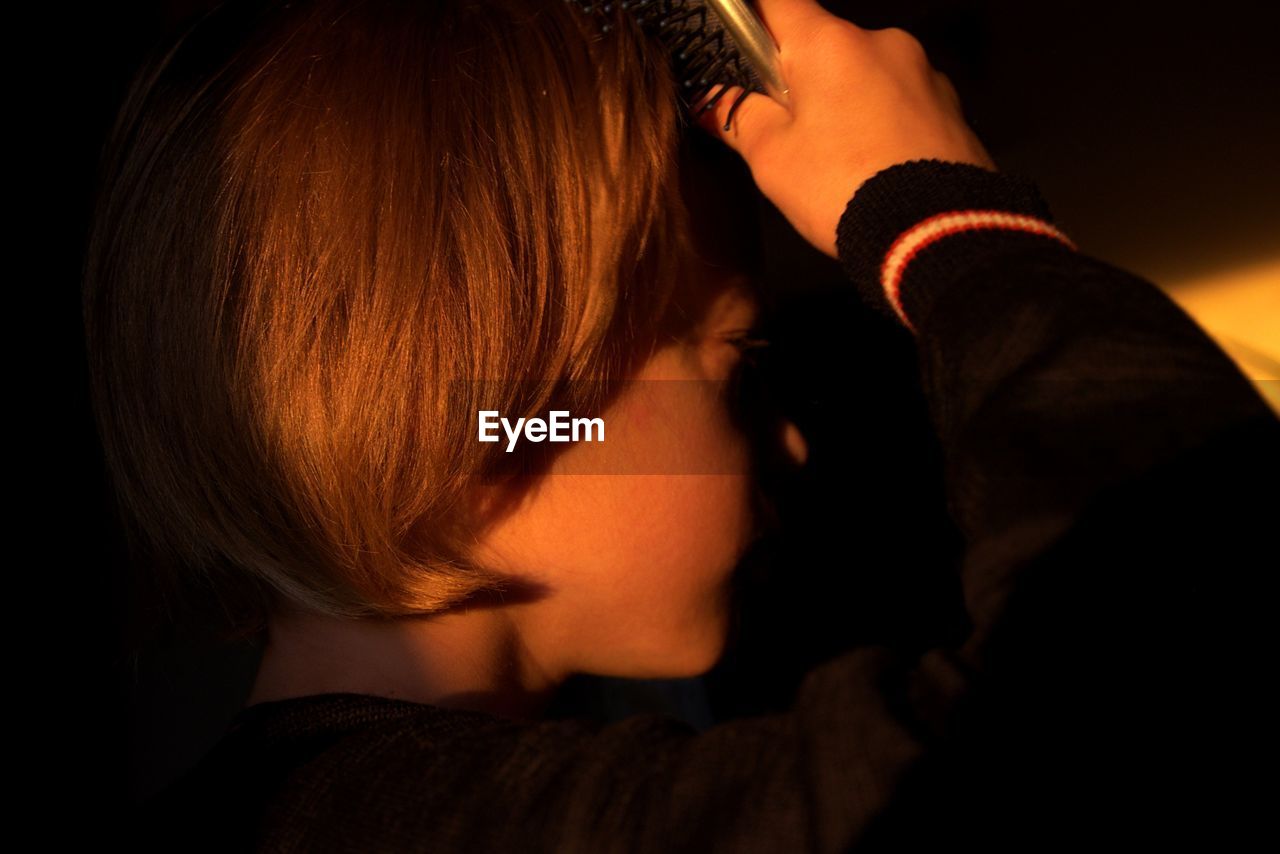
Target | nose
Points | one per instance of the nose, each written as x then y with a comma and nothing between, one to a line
793,442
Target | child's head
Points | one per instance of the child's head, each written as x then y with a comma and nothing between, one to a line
316,219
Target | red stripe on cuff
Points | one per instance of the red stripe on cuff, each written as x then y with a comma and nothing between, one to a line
928,231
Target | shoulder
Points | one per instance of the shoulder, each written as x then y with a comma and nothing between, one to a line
336,770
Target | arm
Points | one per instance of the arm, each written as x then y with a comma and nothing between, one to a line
1109,468
1113,474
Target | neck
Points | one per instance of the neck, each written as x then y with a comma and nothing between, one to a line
473,659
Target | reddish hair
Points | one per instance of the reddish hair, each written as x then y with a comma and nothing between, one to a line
313,217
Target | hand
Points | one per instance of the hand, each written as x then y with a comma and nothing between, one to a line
861,101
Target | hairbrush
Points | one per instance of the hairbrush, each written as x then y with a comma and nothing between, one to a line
711,42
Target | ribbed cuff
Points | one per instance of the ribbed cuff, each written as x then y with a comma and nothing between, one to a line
916,226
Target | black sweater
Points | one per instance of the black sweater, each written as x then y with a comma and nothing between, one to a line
1113,475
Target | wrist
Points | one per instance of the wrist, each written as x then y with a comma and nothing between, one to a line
916,225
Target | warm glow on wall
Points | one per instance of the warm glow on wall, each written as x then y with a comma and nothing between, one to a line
1240,308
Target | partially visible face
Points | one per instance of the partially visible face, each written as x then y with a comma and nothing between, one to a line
638,565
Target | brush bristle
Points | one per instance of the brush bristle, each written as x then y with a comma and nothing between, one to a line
704,56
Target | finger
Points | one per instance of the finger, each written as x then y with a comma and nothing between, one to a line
905,43
789,21
807,35
739,121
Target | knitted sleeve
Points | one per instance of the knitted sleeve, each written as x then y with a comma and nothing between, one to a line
896,227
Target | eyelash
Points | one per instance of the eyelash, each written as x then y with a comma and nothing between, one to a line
748,341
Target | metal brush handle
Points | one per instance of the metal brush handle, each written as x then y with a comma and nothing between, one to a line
755,44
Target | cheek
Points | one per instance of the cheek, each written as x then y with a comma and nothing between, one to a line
697,513
663,597
666,535
708,505
697,527
639,536
676,417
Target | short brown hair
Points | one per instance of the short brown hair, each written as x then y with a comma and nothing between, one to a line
312,216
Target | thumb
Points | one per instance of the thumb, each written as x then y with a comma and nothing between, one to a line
739,122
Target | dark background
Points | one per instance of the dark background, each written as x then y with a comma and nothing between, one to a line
1154,137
